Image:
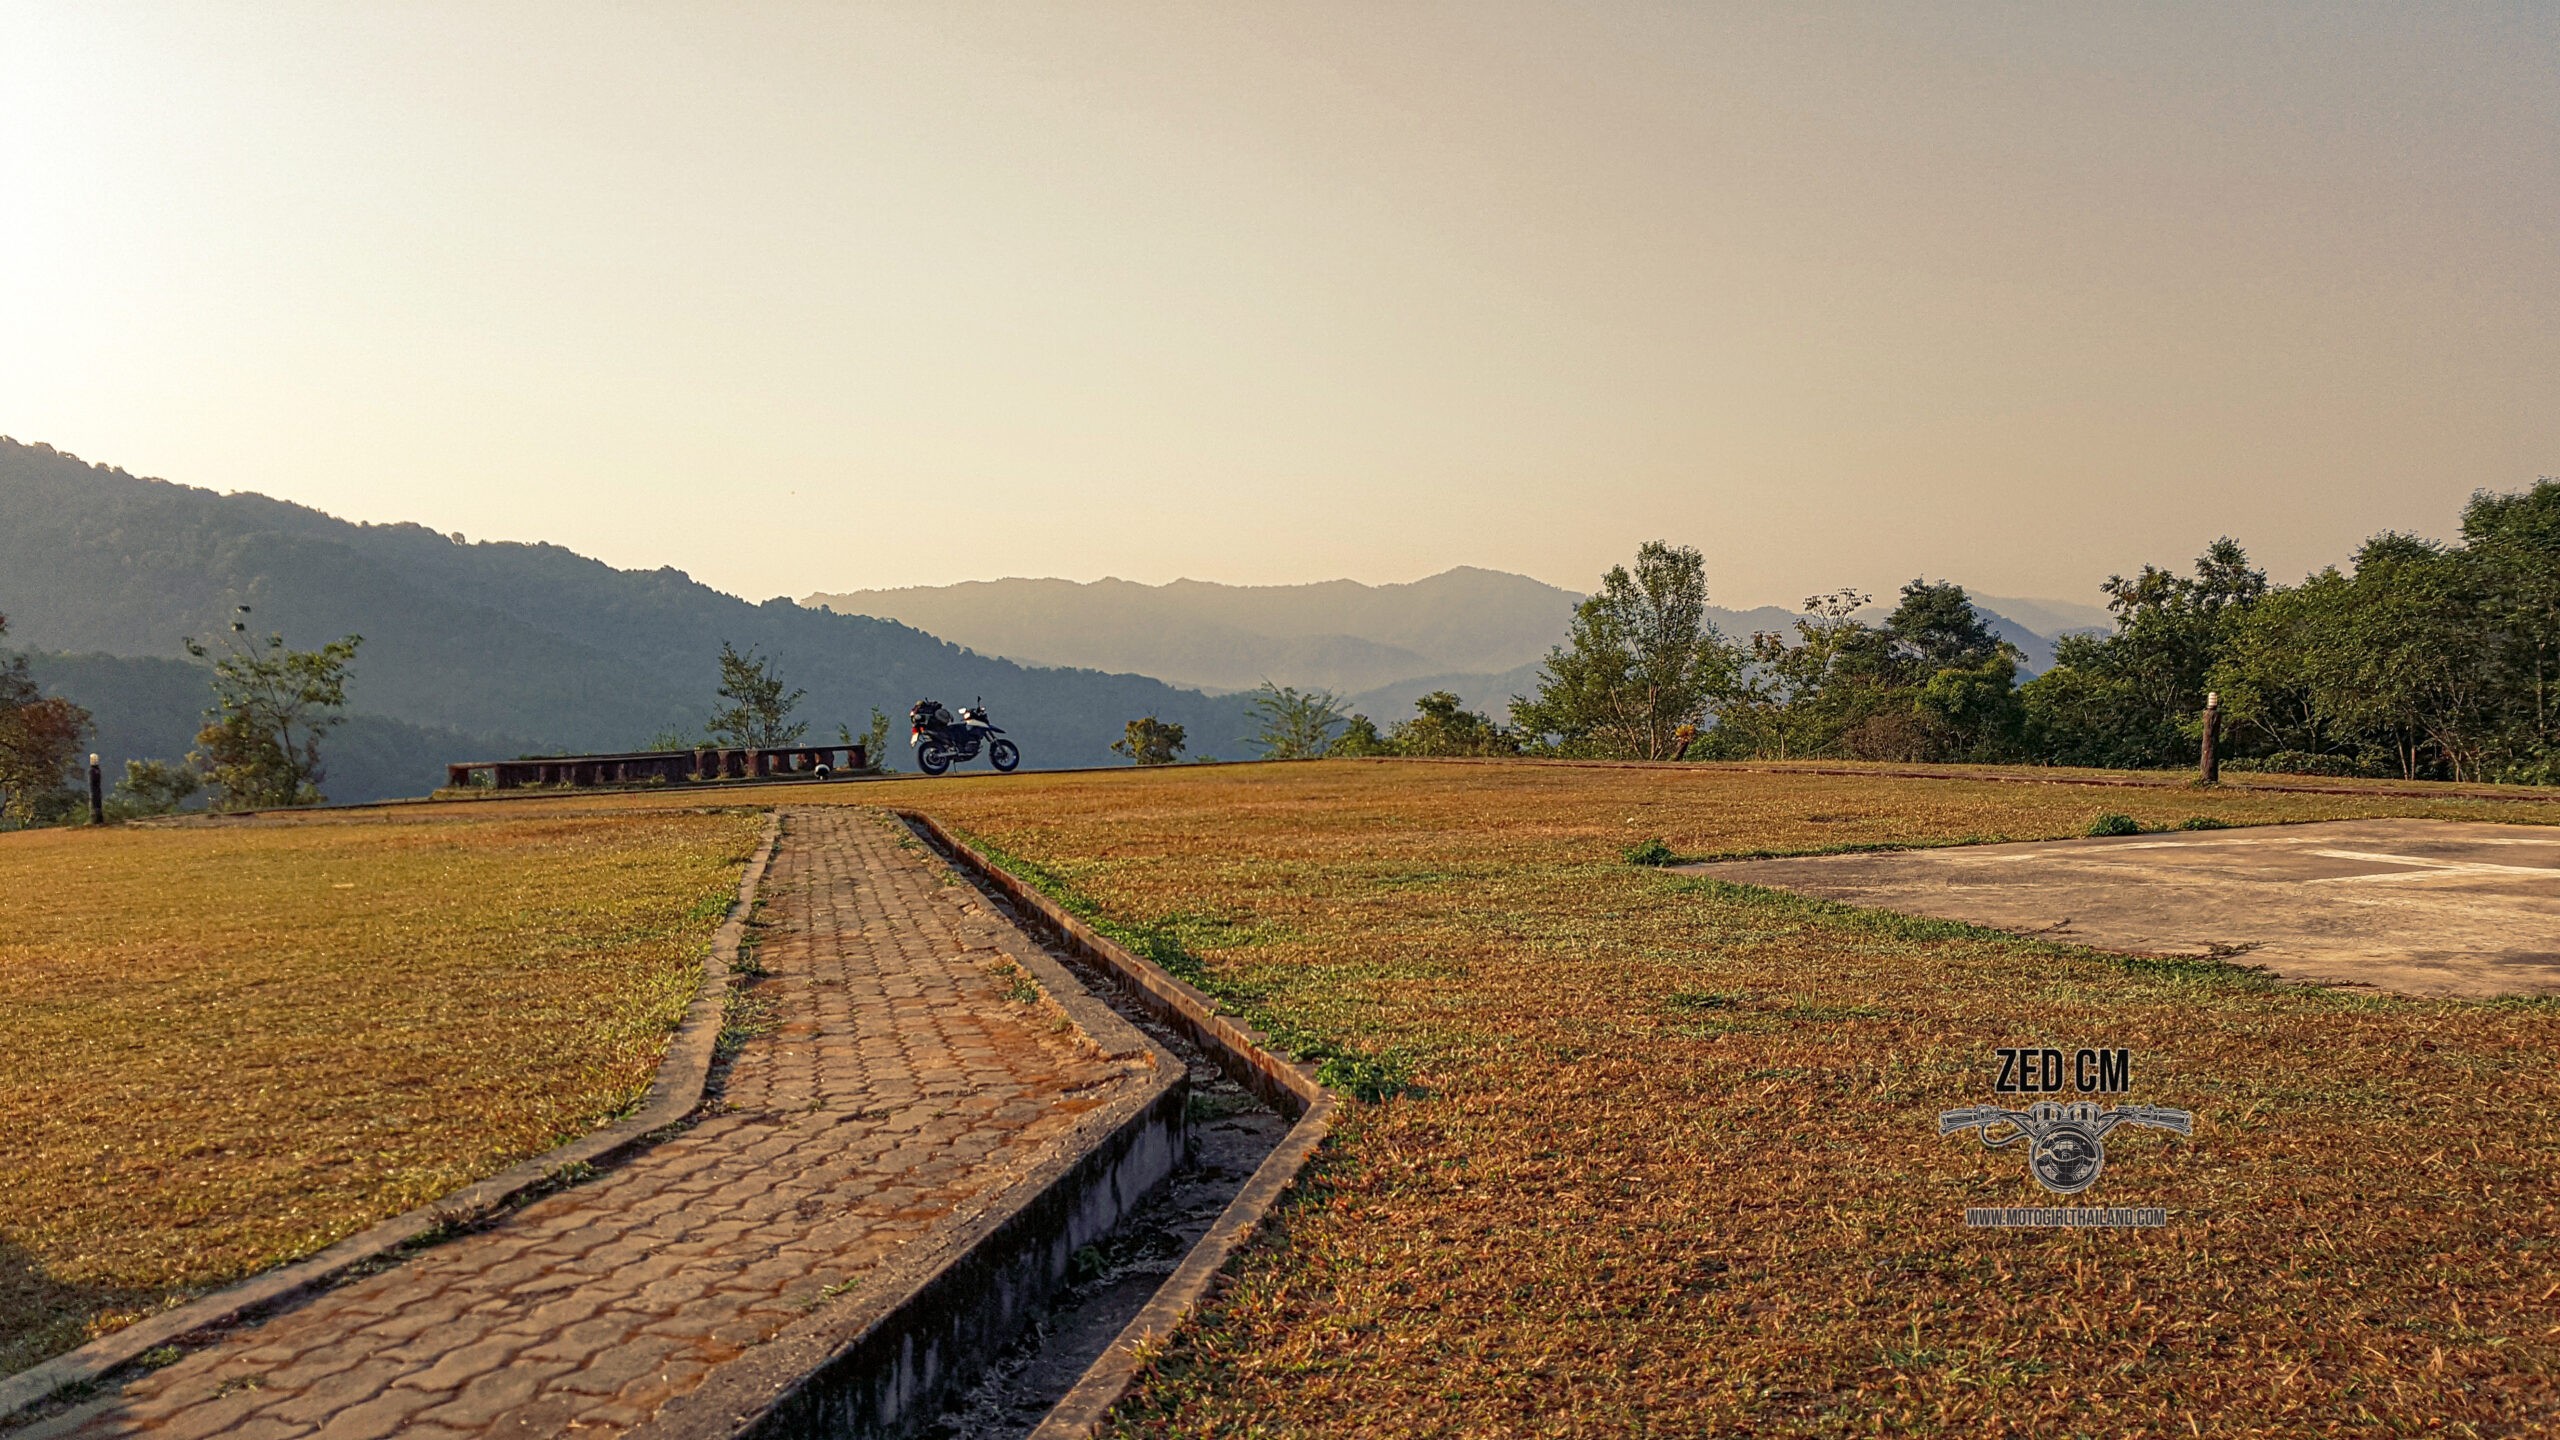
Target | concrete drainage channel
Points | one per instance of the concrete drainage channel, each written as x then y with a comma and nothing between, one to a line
1231,1132
1255,1120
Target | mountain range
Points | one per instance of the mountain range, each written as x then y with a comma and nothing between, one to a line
1478,633
482,649
471,650
1338,635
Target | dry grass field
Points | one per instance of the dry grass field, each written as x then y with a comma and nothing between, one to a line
1641,1155
223,1046
1667,1162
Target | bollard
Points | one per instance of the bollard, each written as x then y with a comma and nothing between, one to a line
2208,765
97,792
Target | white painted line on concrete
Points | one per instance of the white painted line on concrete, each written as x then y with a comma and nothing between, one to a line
2421,868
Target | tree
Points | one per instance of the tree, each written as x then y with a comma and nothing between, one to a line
2425,670
1150,741
2403,662
1642,663
2514,541
758,716
40,740
151,787
1442,726
1936,628
1967,676
1789,701
1359,737
1971,712
2132,698
1295,725
272,706
874,742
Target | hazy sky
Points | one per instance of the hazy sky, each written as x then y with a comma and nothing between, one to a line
838,296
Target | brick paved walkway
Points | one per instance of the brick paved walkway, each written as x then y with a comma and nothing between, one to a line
894,1080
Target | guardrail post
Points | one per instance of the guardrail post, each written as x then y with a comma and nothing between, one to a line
2209,765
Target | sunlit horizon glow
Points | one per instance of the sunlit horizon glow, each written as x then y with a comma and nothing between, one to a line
811,298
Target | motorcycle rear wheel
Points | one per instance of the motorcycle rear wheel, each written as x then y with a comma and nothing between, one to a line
1004,755
932,758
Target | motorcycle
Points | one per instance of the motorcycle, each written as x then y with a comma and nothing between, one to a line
941,738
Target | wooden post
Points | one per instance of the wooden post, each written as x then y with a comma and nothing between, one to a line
97,791
2209,767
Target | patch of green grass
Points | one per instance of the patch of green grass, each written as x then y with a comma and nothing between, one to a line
743,1017
2111,823
1654,852
1368,1074
1690,1002
1018,985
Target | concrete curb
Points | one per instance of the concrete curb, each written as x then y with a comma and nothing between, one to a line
882,1361
671,1097
1288,1087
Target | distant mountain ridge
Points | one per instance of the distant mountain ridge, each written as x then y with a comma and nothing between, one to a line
1337,634
1479,633
531,646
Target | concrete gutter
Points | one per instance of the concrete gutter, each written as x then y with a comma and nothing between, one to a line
885,1360
1243,1053
672,1096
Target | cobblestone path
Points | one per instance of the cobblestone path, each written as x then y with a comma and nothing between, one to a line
892,1079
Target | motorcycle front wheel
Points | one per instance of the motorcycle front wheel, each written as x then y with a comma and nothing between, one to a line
932,758
1004,754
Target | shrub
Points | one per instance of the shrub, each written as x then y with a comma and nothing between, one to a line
2203,822
2114,824
1651,852
2304,762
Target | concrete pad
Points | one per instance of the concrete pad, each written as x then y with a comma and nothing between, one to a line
2425,907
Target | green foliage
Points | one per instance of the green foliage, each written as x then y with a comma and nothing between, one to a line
1150,741
272,706
152,787
1442,726
1932,683
1643,665
2203,822
1796,698
40,738
1653,852
758,715
1359,737
2130,700
2420,663
874,742
1972,712
1294,725
2303,762
2111,823
1936,628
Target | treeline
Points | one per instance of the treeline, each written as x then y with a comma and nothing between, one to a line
259,747
2416,659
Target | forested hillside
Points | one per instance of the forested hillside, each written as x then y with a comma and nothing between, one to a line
468,642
